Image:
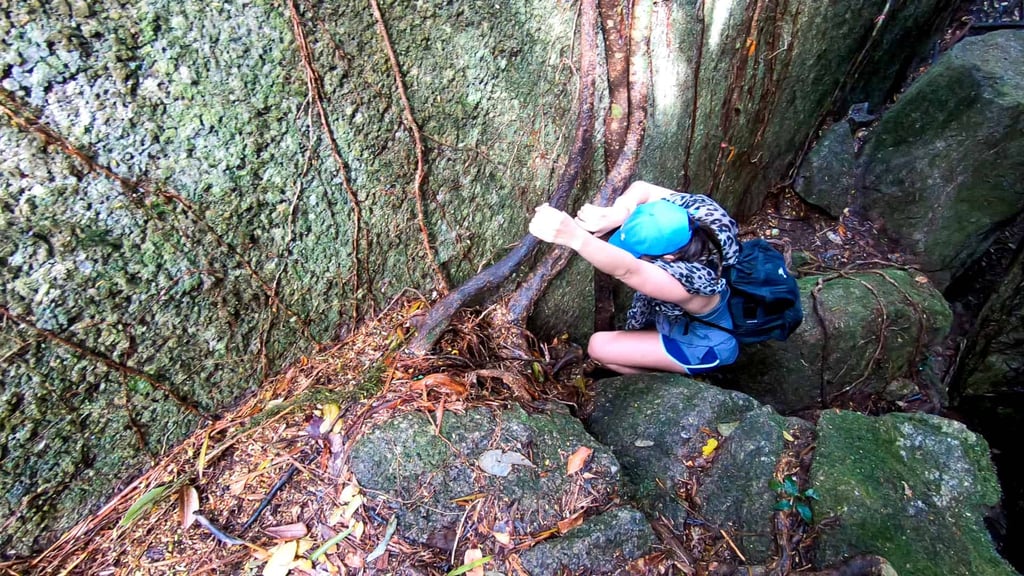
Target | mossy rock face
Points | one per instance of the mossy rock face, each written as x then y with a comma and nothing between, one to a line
234,252
735,490
913,488
407,460
759,97
942,168
878,327
654,424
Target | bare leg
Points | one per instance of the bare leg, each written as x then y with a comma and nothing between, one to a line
632,352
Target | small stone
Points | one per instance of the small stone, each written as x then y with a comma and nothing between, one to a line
80,9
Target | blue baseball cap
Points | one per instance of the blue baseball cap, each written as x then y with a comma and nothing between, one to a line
653,229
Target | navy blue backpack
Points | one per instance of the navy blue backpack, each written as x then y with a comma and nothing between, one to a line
765,300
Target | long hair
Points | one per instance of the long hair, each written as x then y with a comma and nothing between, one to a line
704,247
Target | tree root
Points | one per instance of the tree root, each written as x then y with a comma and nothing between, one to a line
137,191
529,292
884,325
615,21
430,328
698,59
615,25
107,361
522,301
639,87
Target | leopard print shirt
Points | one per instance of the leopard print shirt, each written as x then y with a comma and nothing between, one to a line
697,277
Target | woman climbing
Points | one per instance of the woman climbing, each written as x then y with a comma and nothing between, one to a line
670,248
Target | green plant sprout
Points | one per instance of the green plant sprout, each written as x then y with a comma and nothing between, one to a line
792,498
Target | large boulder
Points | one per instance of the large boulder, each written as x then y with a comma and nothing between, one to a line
942,168
864,333
658,426
627,415
913,488
426,473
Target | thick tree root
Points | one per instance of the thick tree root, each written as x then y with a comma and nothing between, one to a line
529,292
434,323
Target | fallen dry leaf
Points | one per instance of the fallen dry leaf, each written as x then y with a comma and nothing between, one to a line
352,507
188,503
472,555
570,522
578,460
281,558
499,463
288,531
330,416
238,486
349,492
441,382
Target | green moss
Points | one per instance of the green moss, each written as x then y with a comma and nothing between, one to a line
912,488
400,453
206,105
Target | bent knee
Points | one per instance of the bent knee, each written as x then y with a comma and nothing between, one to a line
598,345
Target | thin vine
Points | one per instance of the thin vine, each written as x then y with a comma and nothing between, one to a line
315,92
421,172
107,361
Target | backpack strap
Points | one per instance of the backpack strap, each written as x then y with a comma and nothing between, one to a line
691,317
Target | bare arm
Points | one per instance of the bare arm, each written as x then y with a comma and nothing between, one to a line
599,219
552,225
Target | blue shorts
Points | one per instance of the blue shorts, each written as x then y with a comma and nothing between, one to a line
693,359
